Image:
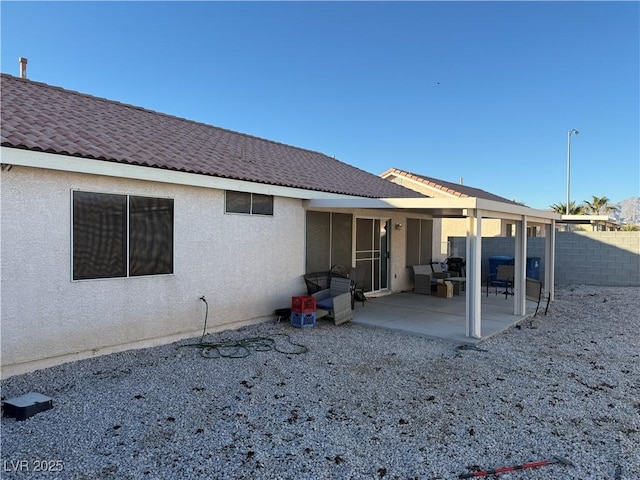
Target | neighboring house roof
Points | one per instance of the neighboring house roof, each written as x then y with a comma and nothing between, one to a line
594,221
40,117
442,186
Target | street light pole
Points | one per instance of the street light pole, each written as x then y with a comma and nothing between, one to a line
573,130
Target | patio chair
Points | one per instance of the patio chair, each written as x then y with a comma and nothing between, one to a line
422,279
317,281
336,300
438,271
503,278
534,293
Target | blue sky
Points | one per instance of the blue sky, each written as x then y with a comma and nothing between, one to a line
486,91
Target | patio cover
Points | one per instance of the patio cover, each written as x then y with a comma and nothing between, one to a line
474,210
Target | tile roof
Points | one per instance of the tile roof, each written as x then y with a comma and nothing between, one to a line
37,116
451,188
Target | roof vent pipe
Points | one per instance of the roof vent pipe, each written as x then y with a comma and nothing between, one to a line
23,67
461,181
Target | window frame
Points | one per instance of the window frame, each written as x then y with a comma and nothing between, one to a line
252,205
127,237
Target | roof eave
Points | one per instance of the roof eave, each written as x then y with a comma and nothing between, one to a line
68,163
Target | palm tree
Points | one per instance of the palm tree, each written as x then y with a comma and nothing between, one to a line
598,206
573,208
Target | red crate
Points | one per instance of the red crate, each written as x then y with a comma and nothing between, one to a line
303,304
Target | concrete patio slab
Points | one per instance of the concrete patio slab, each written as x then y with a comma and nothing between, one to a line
436,317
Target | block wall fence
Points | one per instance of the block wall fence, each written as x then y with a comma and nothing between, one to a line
582,258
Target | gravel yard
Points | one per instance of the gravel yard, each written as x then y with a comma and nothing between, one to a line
361,403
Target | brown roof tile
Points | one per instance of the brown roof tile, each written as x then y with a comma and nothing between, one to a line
38,116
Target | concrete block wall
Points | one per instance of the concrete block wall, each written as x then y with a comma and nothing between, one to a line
582,258
598,258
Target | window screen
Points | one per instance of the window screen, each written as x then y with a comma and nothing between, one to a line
238,202
328,240
261,204
99,240
419,241
118,235
150,236
250,203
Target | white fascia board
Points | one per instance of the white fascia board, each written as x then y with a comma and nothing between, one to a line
487,208
394,203
66,163
508,211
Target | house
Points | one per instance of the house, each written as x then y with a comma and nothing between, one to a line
116,220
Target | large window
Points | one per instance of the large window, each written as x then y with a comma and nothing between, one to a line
419,241
249,203
328,240
121,235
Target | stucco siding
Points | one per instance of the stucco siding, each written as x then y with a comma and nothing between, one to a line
457,227
246,266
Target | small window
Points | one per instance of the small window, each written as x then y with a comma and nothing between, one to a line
510,230
249,203
120,235
238,202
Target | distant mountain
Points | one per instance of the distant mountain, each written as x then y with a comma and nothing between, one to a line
628,211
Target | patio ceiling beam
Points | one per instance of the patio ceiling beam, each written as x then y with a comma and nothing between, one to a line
501,210
445,207
393,203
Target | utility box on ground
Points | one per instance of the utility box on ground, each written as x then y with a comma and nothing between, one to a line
27,405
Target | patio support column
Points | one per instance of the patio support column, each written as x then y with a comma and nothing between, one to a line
474,280
520,270
550,259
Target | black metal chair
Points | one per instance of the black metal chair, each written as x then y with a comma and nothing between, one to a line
456,265
358,279
317,281
502,278
534,293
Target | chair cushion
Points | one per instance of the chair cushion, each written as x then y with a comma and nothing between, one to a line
325,303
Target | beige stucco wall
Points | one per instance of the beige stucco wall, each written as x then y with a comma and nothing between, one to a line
457,227
246,266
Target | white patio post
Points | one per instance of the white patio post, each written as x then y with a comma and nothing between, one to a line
550,259
520,270
474,279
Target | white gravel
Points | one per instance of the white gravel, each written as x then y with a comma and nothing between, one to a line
362,403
